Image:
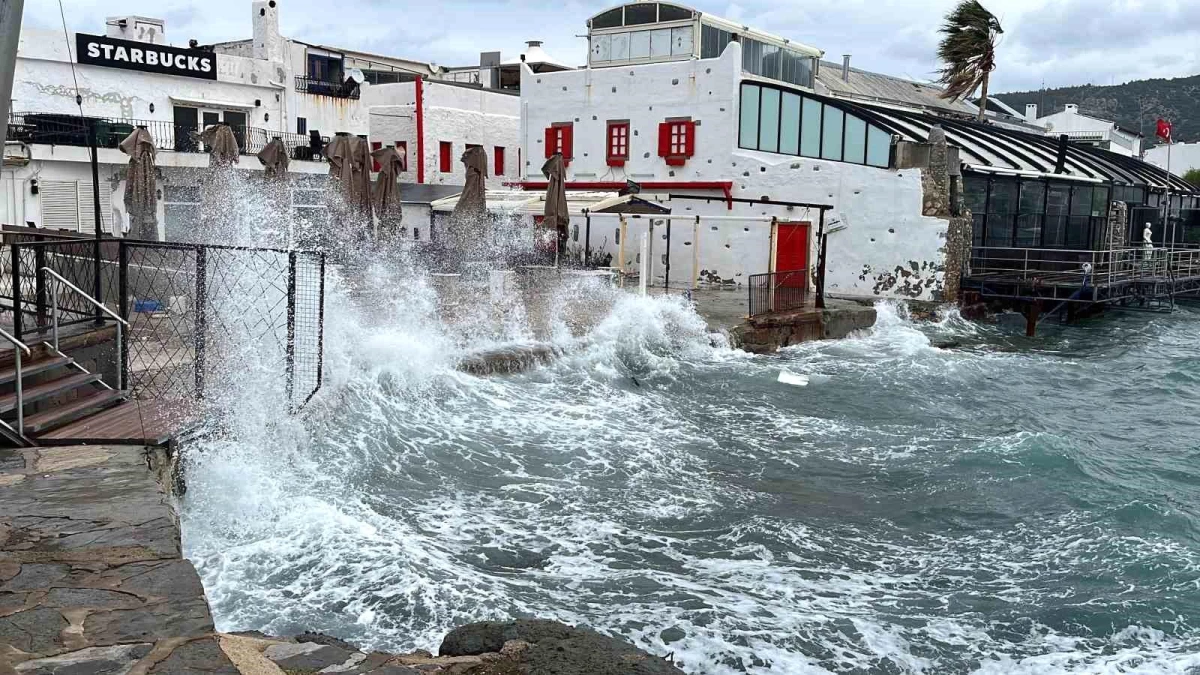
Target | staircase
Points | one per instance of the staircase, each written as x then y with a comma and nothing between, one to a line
55,391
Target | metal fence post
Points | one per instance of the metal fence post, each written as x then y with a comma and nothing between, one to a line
291,327
123,311
16,290
201,319
97,283
667,272
39,257
321,329
587,238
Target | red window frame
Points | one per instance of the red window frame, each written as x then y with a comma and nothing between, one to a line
498,160
560,137
445,150
375,145
402,148
677,140
617,142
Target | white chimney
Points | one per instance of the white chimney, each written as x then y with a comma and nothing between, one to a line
137,28
1072,108
845,67
1031,112
268,43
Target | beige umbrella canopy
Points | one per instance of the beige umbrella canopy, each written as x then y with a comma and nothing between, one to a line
556,197
386,195
471,203
349,164
274,158
222,146
141,194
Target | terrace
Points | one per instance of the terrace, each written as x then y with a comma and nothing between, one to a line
73,130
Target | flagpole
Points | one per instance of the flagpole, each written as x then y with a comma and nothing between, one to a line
1171,222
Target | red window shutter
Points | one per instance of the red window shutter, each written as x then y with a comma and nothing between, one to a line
568,142
664,139
551,141
499,168
444,151
375,145
689,128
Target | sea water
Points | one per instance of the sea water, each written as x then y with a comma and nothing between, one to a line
1008,505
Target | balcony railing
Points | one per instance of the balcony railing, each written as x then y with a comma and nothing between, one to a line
62,129
312,85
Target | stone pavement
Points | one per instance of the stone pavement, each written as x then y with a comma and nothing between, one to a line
92,582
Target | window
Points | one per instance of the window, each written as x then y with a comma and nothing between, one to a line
302,125
402,148
498,153
676,141
375,145
445,150
1030,213
776,120
325,68
617,152
560,139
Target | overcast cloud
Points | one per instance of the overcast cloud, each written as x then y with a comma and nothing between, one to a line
1058,42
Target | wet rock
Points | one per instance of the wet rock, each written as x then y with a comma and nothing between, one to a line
672,634
323,639
306,656
553,649
199,657
115,660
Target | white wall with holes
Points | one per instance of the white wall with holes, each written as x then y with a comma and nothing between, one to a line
887,249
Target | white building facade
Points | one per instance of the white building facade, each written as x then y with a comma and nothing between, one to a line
1087,130
1183,157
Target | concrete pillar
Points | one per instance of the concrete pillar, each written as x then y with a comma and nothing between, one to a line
10,36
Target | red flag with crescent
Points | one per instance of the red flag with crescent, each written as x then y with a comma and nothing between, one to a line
1164,130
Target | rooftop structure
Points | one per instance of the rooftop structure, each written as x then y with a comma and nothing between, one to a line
1084,129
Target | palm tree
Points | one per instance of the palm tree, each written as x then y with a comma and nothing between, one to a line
968,52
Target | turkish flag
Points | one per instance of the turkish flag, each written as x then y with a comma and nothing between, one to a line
1164,130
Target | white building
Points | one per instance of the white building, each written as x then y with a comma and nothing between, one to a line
268,86
1183,157
727,125
1087,130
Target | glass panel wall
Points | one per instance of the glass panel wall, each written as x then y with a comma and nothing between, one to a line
787,122
1011,211
1030,213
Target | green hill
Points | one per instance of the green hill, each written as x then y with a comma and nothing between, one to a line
1134,105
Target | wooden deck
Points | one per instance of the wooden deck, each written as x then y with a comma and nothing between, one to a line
131,423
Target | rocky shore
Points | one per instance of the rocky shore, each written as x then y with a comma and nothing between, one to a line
93,582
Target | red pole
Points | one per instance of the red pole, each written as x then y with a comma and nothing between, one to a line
420,130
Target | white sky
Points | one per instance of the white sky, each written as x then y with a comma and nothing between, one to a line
1058,42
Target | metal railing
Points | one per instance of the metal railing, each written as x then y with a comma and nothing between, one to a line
1060,267
99,306
63,129
18,347
312,85
778,292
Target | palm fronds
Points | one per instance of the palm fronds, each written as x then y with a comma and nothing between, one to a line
968,50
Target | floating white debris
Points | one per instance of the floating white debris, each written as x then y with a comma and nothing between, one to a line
794,379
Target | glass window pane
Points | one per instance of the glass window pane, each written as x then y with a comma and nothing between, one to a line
609,19
879,147
789,124
1081,200
810,128
709,49
831,133
1099,201
640,13
856,140
770,62
1002,210
748,134
620,47
804,75
683,41
1055,228
601,48
768,129
752,56
660,43
639,44
1031,211
673,13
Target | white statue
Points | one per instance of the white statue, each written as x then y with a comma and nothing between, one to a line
1148,238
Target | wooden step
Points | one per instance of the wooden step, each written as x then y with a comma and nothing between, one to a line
73,411
32,368
8,403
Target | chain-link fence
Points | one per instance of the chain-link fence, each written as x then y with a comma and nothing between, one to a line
199,315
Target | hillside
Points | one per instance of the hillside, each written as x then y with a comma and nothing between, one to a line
1134,105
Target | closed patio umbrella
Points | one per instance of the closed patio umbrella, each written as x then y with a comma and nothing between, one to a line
466,220
386,195
222,146
555,213
274,158
141,193
349,164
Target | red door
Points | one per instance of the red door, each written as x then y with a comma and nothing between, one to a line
791,253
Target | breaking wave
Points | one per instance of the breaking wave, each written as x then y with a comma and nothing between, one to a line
942,497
